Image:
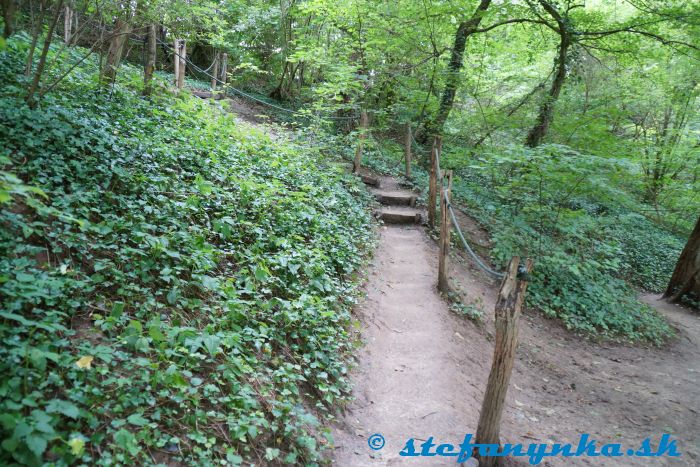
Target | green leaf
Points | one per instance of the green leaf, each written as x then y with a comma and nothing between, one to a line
137,420
63,407
37,444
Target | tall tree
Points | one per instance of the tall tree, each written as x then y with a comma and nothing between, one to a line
465,29
544,116
573,32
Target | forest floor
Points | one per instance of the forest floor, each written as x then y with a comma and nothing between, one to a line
423,368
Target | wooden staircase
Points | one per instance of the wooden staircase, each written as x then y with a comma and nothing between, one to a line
398,204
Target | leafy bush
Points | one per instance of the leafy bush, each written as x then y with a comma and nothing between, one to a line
183,294
569,212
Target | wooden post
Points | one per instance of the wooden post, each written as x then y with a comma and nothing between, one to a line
183,64
224,68
510,300
150,65
67,25
445,229
215,72
432,187
360,145
407,150
176,62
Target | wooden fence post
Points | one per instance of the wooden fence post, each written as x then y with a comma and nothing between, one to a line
407,150
510,300
176,62
432,187
67,25
445,229
151,54
215,71
224,68
361,143
183,64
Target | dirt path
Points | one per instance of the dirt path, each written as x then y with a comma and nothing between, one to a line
411,378
423,370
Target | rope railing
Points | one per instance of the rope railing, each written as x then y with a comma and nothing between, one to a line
466,245
228,87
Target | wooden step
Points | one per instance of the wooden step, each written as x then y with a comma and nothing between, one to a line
395,199
399,216
372,181
208,95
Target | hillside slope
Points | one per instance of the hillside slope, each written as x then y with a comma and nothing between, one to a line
175,287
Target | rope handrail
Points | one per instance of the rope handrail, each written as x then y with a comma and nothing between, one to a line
246,95
466,245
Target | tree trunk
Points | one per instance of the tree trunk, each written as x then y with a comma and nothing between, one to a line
546,112
116,47
435,125
42,60
8,16
150,65
37,22
685,281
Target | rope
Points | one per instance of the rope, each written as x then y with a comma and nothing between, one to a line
468,248
246,95
466,245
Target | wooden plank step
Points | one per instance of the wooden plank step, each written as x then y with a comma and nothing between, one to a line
396,199
372,181
395,216
208,95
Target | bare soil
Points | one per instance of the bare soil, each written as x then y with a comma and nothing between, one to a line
423,369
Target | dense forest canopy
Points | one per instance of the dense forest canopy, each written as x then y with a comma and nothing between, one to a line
149,234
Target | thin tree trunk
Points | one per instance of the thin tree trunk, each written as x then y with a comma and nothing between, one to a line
685,280
466,28
8,15
114,54
546,112
42,60
37,22
150,65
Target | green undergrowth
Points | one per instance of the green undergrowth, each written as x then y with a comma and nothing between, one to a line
579,218
175,288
